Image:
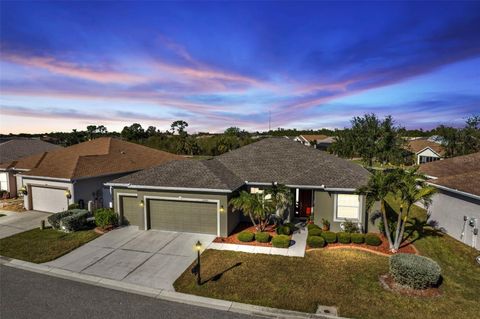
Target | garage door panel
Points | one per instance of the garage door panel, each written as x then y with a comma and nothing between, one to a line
131,211
46,199
187,216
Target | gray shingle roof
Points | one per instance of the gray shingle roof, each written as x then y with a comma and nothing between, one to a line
269,160
15,149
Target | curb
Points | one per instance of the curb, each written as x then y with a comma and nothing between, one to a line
217,304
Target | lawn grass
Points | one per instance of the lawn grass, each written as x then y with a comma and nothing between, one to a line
346,279
40,246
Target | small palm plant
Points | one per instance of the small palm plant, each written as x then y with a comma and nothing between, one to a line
255,207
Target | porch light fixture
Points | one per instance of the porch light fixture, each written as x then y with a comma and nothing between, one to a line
23,190
68,194
222,209
142,203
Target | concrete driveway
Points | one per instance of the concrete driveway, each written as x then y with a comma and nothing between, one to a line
148,258
17,222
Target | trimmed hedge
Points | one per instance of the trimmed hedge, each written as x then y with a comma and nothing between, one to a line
417,272
343,238
281,241
76,221
315,232
372,239
330,237
105,217
315,241
246,236
312,226
55,219
284,230
357,238
262,237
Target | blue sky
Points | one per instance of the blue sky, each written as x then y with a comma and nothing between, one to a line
66,65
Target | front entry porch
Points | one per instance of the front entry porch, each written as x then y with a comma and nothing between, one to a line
303,203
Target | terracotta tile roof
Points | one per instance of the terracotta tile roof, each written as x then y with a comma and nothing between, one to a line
460,173
15,149
417,145
101,156
314,137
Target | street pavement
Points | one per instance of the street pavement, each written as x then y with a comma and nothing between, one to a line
25,294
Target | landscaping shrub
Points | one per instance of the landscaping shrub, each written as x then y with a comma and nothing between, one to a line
417,272
284,230
73,206
357,238
343,238
315,241
262,237
372,239
315,232
292,227
330,237
75,221
54,219
246,236
105,217
281,241
312,226
350,227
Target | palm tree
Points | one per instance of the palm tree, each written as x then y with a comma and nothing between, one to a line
381,184
412,189
281,197
254,206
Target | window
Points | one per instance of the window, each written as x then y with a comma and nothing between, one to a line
347,207
255,190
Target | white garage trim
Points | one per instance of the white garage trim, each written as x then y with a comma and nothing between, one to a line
183,199
120,204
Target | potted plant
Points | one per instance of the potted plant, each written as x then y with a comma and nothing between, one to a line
105,219
326,224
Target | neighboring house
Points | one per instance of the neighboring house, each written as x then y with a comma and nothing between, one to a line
456,206
193,195
17,155
425,151
310,139
76,174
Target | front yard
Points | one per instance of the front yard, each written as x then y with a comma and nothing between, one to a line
40,246
347,279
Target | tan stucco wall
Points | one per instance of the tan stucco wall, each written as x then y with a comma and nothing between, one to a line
228,219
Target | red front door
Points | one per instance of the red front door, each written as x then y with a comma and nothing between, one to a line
304,202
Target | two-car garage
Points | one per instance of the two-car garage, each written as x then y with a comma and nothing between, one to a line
194,215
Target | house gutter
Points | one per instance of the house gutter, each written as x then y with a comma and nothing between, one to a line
455,191
321,187
185,189
46,178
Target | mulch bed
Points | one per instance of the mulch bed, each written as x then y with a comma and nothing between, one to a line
232,239
389,283
12,204
383,249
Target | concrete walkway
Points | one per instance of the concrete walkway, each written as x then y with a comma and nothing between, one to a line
17,222
297,249
153,259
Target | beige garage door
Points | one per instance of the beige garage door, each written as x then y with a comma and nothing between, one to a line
184,216
45,199
131,211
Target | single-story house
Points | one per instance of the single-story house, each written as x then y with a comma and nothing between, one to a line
77,174
425,151
310,139
456,206
19,155
193,195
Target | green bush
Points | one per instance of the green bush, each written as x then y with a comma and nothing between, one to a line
76,221
55,219
315,241
262,237
358,238
284,230
73,206
315,232
343,238
281,241
350,227
330,237
372,239
417,272
292,227
312,226
246,236
105,217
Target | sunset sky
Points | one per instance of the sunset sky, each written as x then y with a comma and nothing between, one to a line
214,64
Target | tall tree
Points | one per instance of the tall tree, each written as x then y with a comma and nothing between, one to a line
179,127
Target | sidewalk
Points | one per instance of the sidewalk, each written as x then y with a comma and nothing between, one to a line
163,294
